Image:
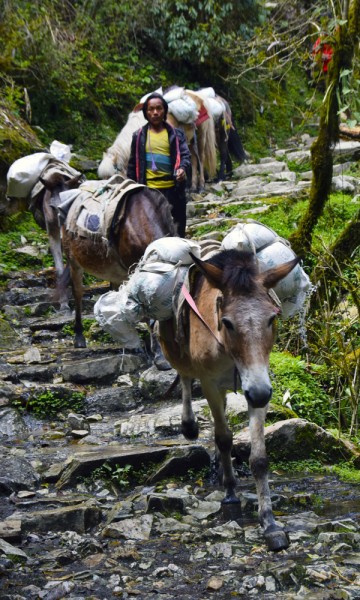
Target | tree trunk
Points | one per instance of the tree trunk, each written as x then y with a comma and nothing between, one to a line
345,38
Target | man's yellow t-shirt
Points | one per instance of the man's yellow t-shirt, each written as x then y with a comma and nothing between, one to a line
158,163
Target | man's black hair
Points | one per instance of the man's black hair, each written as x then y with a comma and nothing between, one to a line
158,96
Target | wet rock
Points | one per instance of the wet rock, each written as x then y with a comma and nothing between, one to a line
10,529
195,458
83,464
77,421
78,518
12,552
119,398
154,384
12,425
16,474
247,170
130,529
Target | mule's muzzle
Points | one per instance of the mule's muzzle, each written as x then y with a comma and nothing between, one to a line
258,396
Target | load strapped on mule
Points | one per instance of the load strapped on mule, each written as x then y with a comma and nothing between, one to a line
153,290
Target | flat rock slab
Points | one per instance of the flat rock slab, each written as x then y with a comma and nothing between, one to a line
84,464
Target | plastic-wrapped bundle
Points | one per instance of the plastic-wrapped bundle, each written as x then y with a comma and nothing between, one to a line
24,174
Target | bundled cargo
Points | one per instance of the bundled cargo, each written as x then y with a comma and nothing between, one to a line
24,173
149,292
271,250
184,109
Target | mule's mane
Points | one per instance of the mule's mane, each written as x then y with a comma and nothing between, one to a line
55,179
239,269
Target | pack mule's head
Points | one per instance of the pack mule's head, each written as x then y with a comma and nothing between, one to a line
246,316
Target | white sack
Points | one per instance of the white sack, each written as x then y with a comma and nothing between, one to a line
149,291
208,92
271,250
24,174
293,289
184,110
174,94
216,108
170,250
249,236
114,314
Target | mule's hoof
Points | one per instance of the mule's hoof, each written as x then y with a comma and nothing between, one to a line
276,539
161,363
190,430
80,342
64,309
230,499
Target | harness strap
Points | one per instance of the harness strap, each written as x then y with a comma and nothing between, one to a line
137,155
178,156
190,300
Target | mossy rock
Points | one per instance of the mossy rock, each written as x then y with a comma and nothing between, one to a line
298,439
17,139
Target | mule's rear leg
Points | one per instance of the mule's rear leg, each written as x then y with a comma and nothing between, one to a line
189,425
275,536
53,231
78,291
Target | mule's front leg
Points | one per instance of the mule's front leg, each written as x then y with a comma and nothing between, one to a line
223,439
275,536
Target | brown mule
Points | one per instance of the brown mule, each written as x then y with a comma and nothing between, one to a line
238,334
147,218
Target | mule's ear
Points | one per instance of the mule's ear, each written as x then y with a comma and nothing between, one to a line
272,276
45,183
74,182
212,273
138,108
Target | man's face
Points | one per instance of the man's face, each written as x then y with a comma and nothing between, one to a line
155,112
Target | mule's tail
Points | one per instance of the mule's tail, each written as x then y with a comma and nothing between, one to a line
209,142
235,146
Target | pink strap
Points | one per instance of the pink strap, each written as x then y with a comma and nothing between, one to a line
190,300
137,157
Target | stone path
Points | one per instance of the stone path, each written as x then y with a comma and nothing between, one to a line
154,528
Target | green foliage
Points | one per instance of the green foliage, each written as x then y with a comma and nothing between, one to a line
21,228
297,466
297,385
49,404
198,29
345,471
115,474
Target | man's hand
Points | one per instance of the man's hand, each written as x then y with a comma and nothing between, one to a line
180,175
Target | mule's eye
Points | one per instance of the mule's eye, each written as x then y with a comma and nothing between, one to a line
228,324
